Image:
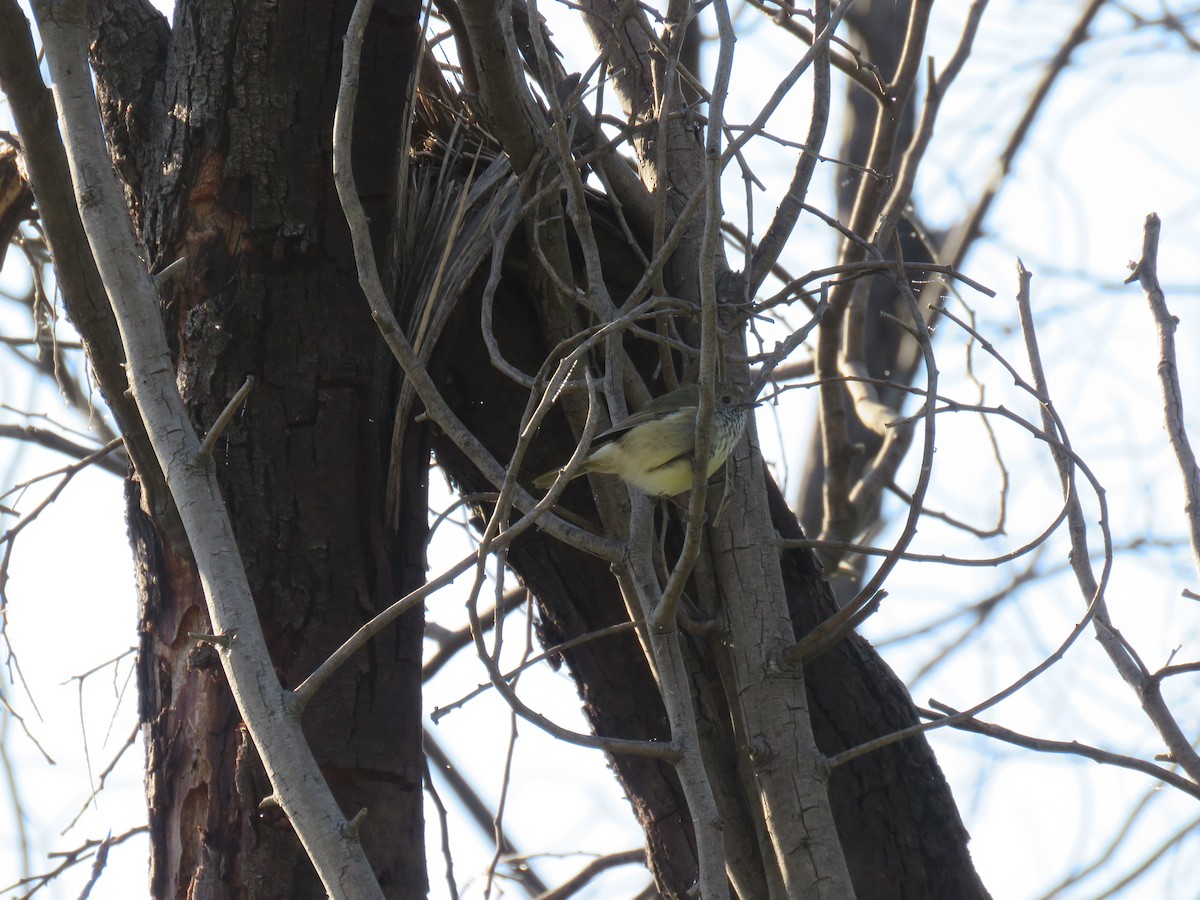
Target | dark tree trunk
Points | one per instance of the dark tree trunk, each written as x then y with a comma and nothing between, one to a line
896,818
222,131
225,144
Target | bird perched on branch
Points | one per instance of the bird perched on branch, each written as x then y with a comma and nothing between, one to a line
652,449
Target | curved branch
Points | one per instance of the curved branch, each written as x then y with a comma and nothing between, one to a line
954,249
1042,745
78,277
115,465
368,276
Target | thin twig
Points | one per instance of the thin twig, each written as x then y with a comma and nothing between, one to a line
370,282
51,440
935,89
204,454
620,628
1120,652
477,809
69,858
588,873
1146,272
955,247
912,731
443,825
1074,748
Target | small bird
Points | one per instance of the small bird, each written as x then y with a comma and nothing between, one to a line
652,449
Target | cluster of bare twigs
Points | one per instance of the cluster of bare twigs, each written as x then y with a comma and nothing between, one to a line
851,500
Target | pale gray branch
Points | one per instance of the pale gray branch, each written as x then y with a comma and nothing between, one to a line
296,781
1168,374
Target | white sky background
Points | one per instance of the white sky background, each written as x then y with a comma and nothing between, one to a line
1119,138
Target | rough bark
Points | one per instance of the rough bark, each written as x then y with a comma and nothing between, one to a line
576,592
242,117
897,820
75,270
898,824
270,291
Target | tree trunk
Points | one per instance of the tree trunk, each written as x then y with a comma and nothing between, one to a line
895,816
225,145
226,155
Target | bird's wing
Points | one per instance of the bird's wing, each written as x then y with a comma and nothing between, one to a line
673,459
675,401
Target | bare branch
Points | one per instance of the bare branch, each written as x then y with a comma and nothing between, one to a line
861,71
596,867
1042,745
52,440
204,454
954,249
780,229
295,778
1128,666
935,89
33,110
1146,271
69,858
503,96
853,753
478,810
368,274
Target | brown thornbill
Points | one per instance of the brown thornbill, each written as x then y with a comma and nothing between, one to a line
652,449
